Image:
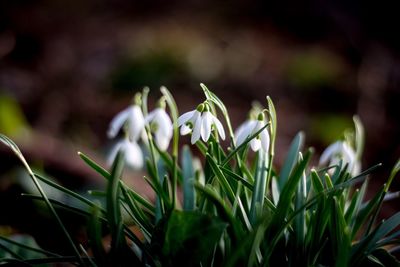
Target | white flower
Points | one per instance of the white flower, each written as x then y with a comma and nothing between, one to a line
201,123
250,127
341,151
133,117
161,124
133,153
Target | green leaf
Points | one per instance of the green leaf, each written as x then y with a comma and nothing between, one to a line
95,236
340,234
224,212
230,174
275,229
190,237
242,145
365,212
221,178
136,212
25,246
94,165
387,259
355,205
299,225
8,142
113,204
360,137
260,183
213,98
371,242
316,182
67,191
188,180
383,229
291,159
39,261
290,188
107,175
272,115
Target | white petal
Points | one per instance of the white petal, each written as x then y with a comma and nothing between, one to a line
349,156
136,123
185,129
255,144
257,126
164,131
162,140
356,169
117,122
206,121
330,151
244,131
133,155
264,137
196,131
185,117
150,117
164,123
144,137
113,152
239,130
220,129
274,190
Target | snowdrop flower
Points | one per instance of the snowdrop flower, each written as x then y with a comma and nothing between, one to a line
133,153
161,124
338,151
250,127
200,122
133,118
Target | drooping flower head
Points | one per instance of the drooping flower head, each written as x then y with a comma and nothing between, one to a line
132,118
160,123
200,122
133,153
341,151
251,127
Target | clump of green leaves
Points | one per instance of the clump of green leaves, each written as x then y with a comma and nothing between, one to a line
235,209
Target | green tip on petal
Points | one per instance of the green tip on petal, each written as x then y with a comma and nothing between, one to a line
137,99
200,108
260,116
162,102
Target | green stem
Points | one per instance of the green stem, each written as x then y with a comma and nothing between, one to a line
259,186
175,141
151,148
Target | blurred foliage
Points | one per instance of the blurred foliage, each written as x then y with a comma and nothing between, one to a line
12,119
329,127
313,69
163,66
18,250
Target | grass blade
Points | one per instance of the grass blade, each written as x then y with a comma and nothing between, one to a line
8,142
291,159
188,180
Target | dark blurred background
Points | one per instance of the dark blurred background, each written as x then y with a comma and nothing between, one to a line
67,67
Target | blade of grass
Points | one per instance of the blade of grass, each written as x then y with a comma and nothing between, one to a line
67,191
95,236
94,165
38,250
291,159
8,142
114,216
188,180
